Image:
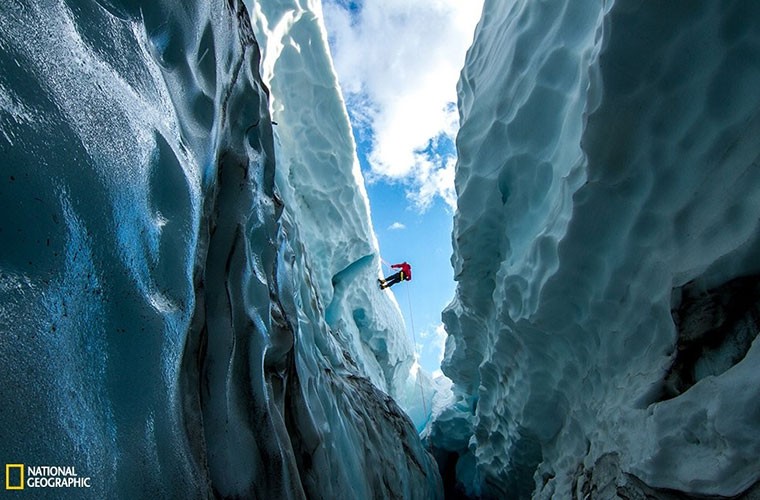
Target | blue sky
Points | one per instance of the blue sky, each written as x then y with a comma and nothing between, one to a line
425,242
398,63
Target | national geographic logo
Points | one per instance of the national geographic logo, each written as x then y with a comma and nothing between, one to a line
18,482
20,476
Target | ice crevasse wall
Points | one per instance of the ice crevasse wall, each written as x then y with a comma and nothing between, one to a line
607,252
174,321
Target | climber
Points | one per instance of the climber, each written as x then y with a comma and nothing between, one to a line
405,274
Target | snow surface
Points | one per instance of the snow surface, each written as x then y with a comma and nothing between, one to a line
182,314
608,159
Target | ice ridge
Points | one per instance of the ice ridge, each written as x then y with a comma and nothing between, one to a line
606,242
163,300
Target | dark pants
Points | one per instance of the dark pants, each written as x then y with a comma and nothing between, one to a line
392,279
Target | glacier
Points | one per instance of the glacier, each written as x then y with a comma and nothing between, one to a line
187,267
602,341
184,305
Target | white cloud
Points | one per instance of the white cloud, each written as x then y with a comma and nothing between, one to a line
436,339
398,63
435,180
396,226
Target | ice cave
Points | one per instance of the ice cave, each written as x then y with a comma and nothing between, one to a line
176,322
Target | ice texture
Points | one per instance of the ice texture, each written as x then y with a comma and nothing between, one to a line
174,319
607,253
320,181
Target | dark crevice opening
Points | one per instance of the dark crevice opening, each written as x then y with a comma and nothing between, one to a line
447,467
716,328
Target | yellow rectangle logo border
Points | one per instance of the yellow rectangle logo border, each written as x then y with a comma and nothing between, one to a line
8,468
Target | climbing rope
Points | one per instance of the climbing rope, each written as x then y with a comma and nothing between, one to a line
414,338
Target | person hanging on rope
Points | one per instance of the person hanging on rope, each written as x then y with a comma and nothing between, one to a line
405,274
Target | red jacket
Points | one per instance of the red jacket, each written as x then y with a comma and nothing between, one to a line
406,269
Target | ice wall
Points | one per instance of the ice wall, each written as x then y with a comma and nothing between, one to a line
606,248
319,178
166,325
